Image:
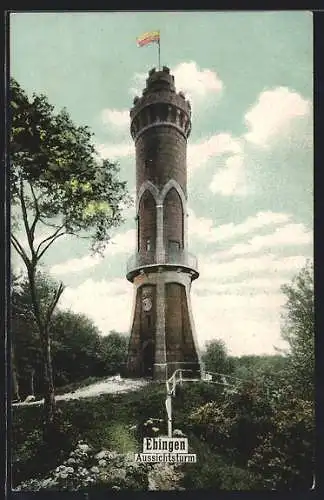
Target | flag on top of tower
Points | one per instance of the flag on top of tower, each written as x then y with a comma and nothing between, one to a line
149,37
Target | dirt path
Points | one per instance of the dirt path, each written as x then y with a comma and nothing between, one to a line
111,385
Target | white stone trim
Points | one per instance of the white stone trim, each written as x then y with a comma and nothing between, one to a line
160,251
166,188
146,186
160,342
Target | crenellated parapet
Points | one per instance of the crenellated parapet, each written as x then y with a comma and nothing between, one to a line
160,105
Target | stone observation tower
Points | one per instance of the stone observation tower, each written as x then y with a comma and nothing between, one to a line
162,337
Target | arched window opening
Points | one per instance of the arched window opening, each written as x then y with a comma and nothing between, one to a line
147,227
173,225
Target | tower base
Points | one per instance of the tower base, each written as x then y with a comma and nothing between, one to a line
163,336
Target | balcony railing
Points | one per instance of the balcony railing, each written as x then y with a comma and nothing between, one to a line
180,258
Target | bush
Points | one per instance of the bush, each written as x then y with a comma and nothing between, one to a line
85,469
121,439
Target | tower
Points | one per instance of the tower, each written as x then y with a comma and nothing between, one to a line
162,337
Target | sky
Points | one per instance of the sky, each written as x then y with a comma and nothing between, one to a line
249,78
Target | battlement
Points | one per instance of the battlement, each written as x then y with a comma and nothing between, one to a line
160,104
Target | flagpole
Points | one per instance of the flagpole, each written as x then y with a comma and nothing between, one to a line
159,54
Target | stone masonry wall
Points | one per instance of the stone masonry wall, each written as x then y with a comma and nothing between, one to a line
161,156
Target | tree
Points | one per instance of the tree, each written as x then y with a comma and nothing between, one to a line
76,347
15,288
269,432
59,184
114,352
26,347
215,357
298,331
260,367
284,456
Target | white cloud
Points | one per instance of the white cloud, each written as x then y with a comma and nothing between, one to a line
212,267
230,179
196,83
116,117
138,84
288,235
108,303
240,301
252,286
247,324
203,228
273,114
75,265
201,152
121,243
113,151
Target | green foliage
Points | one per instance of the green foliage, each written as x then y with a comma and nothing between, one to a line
32,457
90,419
79,352
57,183
113,353
260,367
190,396
25,338
214,471
269,431
86,469
55,170
122,439
298,331
234,425
286,452
76,347
259,438
215,357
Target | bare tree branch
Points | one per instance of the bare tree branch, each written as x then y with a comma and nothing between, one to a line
37,212
19,249
25,219
51,240
55,300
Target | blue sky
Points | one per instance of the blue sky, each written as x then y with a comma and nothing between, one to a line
250,154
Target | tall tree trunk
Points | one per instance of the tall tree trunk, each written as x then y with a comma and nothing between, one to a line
32,388
49,395
15,384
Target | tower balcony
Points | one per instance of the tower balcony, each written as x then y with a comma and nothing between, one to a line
148,261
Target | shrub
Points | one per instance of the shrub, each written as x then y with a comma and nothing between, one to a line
85,469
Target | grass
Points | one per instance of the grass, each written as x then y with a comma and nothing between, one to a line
102,421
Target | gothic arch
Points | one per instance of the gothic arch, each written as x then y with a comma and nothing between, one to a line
168,186
173,221
147,224
146,186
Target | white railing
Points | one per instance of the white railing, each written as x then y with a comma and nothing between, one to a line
181,375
